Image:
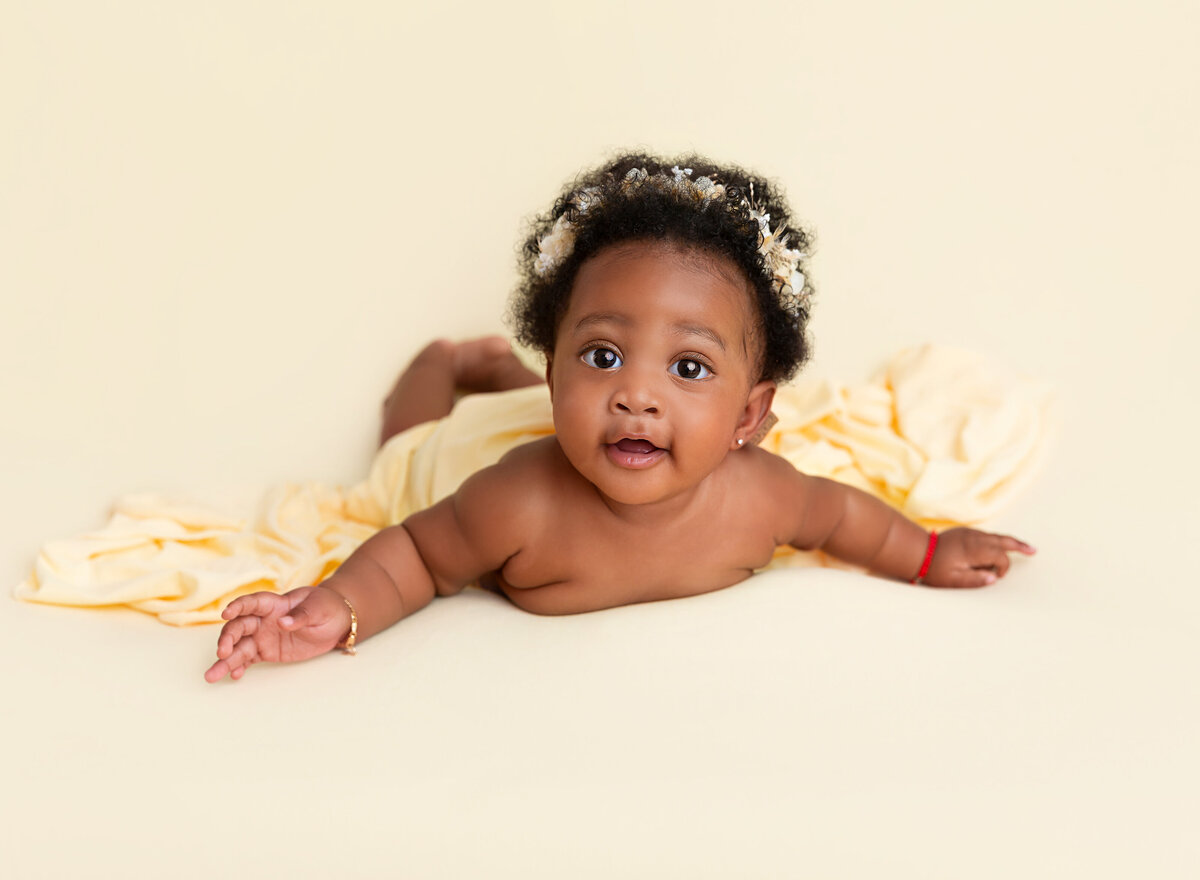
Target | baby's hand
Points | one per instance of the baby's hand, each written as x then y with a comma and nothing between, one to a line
970,558
299,624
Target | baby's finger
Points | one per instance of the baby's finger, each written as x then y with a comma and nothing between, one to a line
1015,545
233,667
217,671
246,604
301,616
239,672
261,604
992,558
971,578
232,632
245,652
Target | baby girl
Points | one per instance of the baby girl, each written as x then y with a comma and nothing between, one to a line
669,299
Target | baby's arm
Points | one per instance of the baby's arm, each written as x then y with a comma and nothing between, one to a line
392,575
856,527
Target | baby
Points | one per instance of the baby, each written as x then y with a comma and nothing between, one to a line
669,299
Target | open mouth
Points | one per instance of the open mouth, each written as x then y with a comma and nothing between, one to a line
631,453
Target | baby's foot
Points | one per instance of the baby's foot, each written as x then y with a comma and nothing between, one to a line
475,361
488,364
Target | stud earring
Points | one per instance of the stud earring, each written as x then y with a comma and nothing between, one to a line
740,441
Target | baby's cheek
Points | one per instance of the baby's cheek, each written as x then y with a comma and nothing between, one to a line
705,441
576,429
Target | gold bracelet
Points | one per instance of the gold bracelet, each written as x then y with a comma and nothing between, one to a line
352,636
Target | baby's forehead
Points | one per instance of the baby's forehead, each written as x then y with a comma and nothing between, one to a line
631,271
687,256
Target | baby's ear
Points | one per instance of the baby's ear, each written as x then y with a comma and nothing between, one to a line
756,417
550,373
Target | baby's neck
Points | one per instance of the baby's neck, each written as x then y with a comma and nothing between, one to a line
665,512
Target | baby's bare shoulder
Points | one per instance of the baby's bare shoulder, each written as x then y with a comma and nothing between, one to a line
522,486
534,465
771,491
493,516
763,472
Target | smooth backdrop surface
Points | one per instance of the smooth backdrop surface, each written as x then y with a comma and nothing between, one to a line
223,229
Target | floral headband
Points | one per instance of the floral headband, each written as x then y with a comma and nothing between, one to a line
783,263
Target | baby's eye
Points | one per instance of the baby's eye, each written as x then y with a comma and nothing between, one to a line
686,368
601,358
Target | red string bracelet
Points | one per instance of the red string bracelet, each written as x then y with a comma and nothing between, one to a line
928,558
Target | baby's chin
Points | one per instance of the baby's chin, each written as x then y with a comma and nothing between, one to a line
633,498
639,488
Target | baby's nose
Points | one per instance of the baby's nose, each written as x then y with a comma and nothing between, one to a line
637,400
635,409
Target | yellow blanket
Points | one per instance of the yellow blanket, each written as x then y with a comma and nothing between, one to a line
940,434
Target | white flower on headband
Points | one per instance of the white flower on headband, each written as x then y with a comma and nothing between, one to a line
764,230
555,247
586,197
780,259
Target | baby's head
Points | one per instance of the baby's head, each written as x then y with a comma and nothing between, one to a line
685,208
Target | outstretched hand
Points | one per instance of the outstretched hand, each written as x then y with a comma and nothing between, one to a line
296,625
970,558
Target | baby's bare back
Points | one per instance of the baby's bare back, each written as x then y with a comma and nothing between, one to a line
555,545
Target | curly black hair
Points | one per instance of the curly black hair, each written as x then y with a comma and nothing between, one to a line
604,209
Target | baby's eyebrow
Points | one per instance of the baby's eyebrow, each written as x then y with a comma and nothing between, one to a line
701,331
601,318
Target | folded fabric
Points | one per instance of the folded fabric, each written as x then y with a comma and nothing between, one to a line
941,434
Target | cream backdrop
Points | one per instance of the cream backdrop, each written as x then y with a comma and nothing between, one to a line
225,226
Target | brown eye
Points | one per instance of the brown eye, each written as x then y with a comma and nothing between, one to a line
687,368
601,358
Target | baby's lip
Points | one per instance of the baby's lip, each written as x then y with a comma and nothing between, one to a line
635,452
635,445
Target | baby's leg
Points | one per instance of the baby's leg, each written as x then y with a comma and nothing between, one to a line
488,364
425,390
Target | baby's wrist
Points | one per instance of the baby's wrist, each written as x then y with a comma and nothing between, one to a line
927,560
343,612
346,643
